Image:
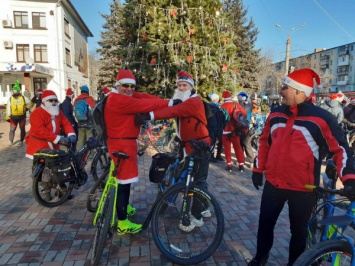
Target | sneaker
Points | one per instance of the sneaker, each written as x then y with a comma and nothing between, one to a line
127,227
206,213
219,158
229,168
193,223
241,168
131,210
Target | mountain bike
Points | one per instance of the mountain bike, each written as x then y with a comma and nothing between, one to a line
336,247
56,172
171,210
157,135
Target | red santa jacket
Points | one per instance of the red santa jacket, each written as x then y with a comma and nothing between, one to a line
229,106
44,131
122,133
191,123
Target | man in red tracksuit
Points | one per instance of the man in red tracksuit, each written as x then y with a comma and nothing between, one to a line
121,107
295,139
230,136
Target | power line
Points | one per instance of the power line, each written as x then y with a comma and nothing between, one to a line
347,33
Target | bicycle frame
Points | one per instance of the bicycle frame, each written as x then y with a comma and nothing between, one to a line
335,225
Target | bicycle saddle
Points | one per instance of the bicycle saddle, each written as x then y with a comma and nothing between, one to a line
200,145
120,155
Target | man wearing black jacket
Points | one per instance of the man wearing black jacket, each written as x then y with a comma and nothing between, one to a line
67,108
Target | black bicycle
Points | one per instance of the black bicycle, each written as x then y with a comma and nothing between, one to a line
56,172
177,234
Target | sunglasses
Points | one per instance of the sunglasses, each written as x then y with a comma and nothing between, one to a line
128,86
52,100
285,87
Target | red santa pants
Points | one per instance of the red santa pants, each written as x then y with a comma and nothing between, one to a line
227,141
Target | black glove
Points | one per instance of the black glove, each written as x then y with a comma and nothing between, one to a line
176,101
349,185
63,139
140,119
72,138
257,180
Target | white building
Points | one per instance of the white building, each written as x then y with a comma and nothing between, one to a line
43,44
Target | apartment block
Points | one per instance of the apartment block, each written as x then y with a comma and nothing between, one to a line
43,44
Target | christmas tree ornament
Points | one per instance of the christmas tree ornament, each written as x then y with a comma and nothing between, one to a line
235,70
208,21
186,40
153,60
191,31
224,68
189,58
173,13
225,40
144,35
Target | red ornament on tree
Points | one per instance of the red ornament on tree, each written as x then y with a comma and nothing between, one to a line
144,35
173,13
118,59
186,40
191,31
208,21
235,70
153,61
224,68
189,58
225,40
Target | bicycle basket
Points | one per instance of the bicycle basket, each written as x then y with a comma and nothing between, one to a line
159,166
57,165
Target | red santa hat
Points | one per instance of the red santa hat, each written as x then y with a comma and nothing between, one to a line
226,95
333,96
125,76
302,80
70,92
183,76
39,91
106,91
47,95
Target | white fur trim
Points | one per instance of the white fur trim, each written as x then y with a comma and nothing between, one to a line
151,115
125,81
171,102
56,139
296,85
186,79
49,97
29,156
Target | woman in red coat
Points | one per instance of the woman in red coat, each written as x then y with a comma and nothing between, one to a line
46,122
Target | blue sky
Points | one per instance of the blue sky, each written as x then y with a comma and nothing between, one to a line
329,23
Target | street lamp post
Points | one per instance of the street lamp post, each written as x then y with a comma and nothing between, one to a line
288,44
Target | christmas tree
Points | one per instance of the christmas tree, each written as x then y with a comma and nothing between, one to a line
157,38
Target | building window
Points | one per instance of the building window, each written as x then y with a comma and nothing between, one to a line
40,83
68,57
22,52
331,62
21,19
40,52
66,28
38,20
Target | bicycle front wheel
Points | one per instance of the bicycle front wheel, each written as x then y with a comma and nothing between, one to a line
183,247
329,252
100,163
103,227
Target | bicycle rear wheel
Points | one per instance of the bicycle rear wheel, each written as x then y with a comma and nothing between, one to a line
329,252
181,247
100,163
96,192
254,140
103,227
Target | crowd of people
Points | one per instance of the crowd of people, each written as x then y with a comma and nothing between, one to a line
297,133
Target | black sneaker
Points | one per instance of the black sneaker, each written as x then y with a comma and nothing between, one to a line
241,168
229,169
219,158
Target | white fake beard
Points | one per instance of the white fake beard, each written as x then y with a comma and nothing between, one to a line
183,96
52,109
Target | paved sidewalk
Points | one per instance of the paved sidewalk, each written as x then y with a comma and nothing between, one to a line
33,235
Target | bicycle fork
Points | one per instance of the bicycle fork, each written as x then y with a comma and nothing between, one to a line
187,197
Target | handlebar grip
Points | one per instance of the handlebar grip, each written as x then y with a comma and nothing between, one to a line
310,187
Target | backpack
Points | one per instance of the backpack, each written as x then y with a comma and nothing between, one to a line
81,110
160,164
97,119
18,106
217,119
240,121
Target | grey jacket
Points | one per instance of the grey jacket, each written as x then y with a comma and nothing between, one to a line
335,108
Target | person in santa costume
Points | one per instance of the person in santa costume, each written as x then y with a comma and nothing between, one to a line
46,122
230,136
191,124
295,139
121,107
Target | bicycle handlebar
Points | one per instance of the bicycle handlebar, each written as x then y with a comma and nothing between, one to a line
342,192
